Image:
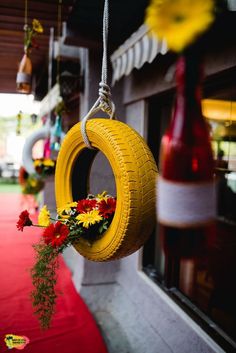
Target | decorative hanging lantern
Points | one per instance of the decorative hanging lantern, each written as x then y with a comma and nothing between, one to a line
18,126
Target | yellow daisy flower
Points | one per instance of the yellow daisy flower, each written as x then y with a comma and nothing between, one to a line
37,27
37,162
102,196
48,163
44,217
179,22
89,218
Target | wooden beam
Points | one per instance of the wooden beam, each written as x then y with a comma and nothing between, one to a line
73,38
11,33
11,19
8,73
36,5
31,14
19,28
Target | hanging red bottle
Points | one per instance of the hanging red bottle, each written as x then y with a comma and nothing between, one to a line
186,190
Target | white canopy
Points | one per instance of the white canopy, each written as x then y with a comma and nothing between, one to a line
140,48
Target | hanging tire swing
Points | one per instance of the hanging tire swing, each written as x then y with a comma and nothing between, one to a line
135,175
27,159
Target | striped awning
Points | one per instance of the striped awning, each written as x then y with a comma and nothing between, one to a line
140,48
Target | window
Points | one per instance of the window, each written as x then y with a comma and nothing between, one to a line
204,281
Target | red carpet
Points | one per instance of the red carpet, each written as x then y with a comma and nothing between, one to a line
73,328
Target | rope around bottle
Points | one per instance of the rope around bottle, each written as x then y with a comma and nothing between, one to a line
104,101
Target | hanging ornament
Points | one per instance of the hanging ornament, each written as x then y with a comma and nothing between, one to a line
46,149
24,74
18,126
186,192
56,132
186,189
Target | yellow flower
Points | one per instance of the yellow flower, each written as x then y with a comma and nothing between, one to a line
44,217
37,162
89,218
102,196
179,22
48,163
64,211
32,182
37,27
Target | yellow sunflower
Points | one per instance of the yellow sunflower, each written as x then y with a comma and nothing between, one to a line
48,163
44,217
89,218
179,22
37,27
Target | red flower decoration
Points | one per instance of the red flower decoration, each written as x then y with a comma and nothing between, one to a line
23,175
107,207
24,220
56,234
85,206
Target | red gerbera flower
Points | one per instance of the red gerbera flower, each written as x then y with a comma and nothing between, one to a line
85,206
107,207
56,234
24,220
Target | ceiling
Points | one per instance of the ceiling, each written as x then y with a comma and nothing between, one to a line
85,21
12,34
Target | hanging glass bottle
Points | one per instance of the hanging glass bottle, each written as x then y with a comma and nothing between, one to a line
56,132
24,74
186,189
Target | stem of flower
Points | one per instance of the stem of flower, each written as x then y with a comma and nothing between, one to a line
37,225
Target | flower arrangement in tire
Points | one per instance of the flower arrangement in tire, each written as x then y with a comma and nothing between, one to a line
44,166
88,219
30,184
135,174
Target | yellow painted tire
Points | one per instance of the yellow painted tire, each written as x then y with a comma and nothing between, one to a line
135,175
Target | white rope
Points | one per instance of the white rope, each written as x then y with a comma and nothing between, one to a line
104,39
104,101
